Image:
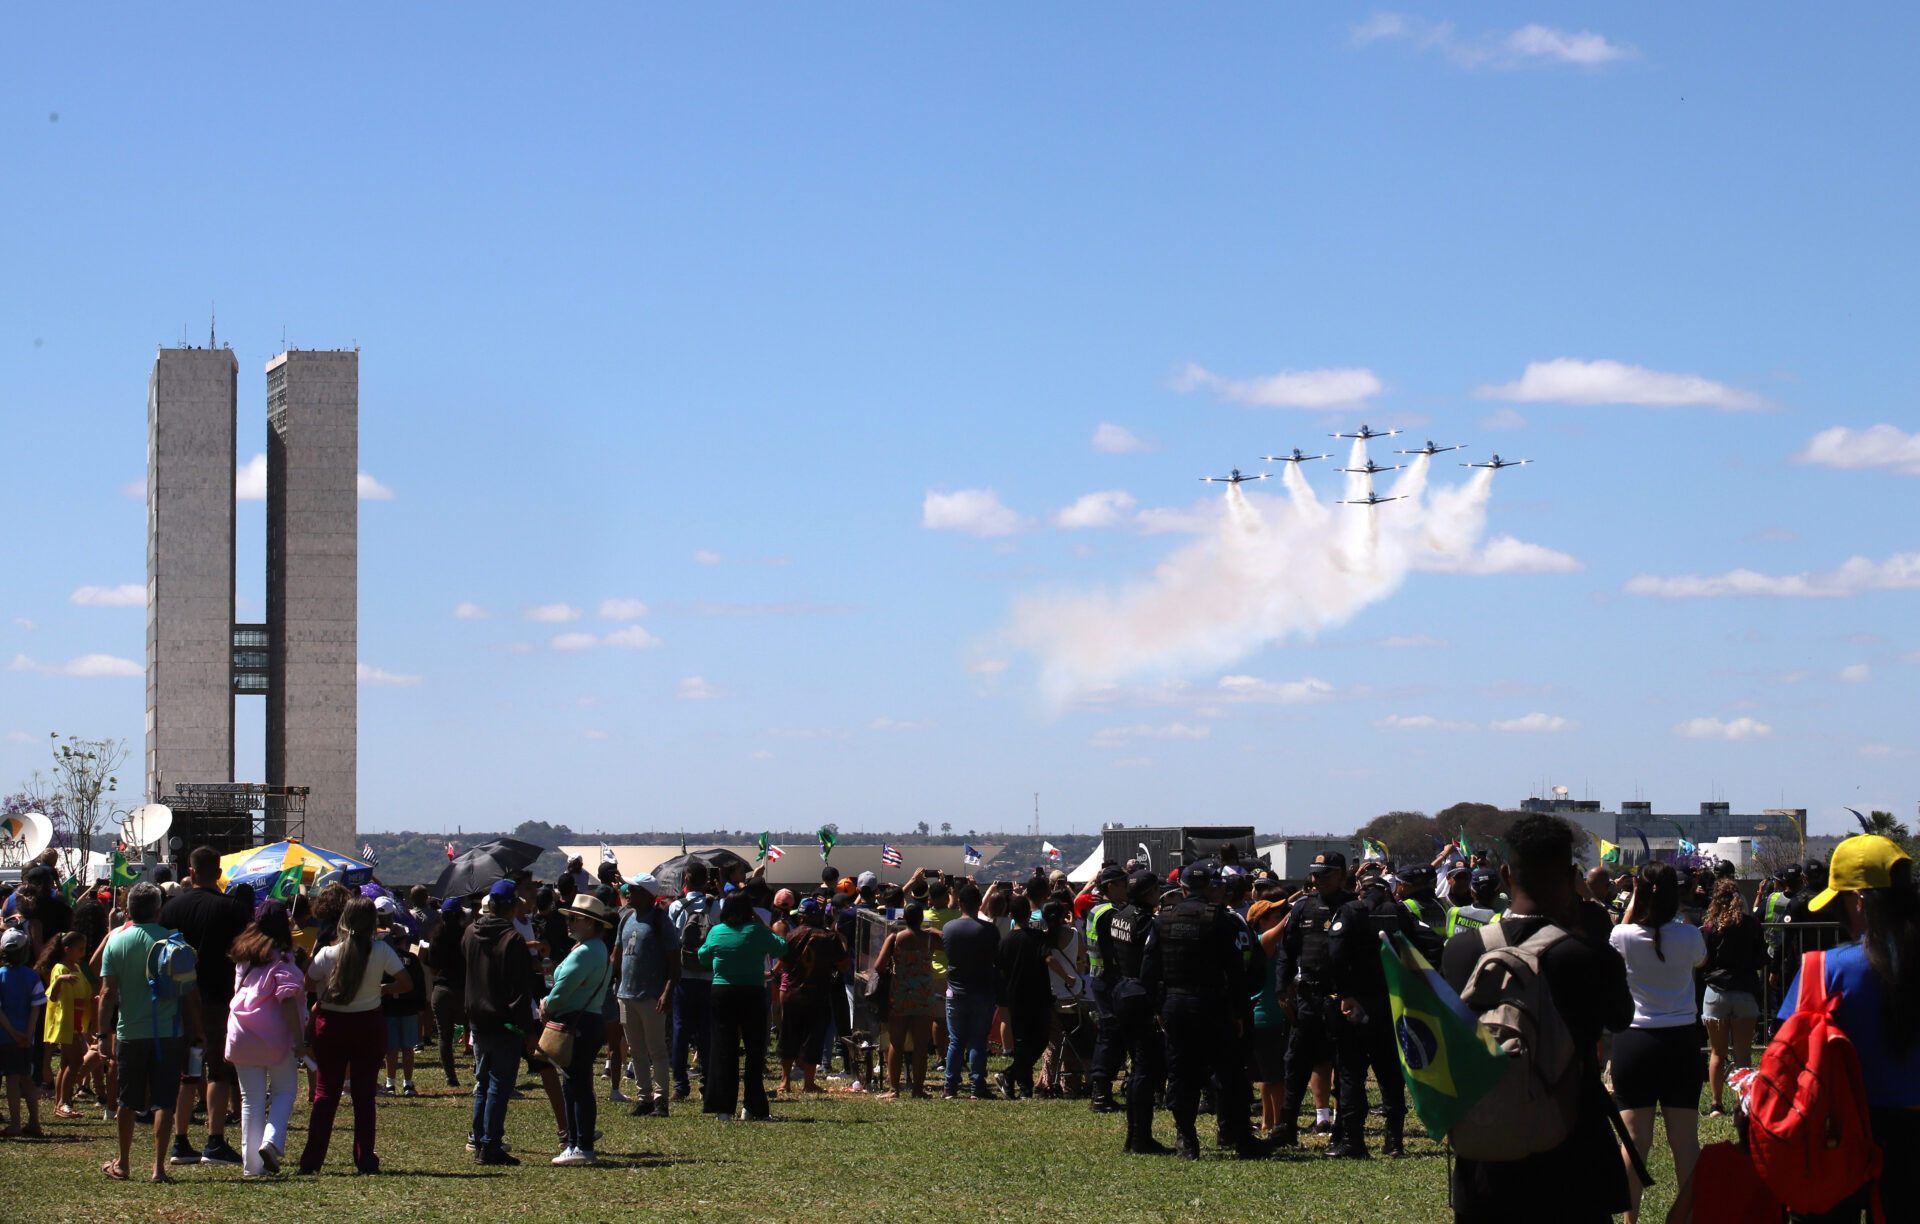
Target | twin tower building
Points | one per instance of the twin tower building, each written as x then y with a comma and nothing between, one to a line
302,660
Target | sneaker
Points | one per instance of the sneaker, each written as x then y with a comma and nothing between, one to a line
474,1147
495,1156
385,1089
660,1107
183,1153
567,1156
951,1094
1005,1085
618,1097
219,1151
407,1089
109,1114
270,1157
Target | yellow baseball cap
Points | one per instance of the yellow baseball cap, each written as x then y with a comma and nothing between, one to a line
1859,863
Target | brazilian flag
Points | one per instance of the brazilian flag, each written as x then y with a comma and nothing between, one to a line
765,840
286,885
827,842
122,876
1449,1061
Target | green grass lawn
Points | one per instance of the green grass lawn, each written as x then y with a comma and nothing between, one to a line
851,1156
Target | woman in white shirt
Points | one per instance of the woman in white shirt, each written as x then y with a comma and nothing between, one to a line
349,1031
1657,1062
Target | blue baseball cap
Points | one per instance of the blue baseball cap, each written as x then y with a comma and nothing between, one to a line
450,905
503,888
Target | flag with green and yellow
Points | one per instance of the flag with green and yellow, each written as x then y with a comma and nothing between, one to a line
1448,1060
122,876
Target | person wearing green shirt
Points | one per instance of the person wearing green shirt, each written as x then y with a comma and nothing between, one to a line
151,1035
736,949
579,986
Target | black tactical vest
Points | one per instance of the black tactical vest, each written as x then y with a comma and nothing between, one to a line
1126,933
1188,947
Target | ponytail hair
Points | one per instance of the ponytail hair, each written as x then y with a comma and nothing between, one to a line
355,942
1892,942
1658,900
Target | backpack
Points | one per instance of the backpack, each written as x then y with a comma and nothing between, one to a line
1533,1107
1807,1109
170,967
693,935
1725,1189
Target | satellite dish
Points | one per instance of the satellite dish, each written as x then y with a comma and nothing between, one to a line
39,833
147,825
1560,791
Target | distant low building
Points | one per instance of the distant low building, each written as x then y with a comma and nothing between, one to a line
799,866
1712,823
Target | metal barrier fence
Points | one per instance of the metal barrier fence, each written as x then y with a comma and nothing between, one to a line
1787,942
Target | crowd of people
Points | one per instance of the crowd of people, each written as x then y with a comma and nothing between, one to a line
1139,991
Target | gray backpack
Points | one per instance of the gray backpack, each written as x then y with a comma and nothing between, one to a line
1534,1106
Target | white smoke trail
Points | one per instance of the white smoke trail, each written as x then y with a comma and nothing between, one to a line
1269,569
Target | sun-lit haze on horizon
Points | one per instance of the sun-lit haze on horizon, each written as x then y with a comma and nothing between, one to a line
784,417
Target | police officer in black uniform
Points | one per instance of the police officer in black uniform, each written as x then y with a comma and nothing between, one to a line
1124,932
1305,976
1109,1043
1195,959
1362,1019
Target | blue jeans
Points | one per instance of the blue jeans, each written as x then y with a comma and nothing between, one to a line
691,1025
969,1023
496,1064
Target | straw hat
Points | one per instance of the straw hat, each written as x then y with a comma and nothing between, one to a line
586,905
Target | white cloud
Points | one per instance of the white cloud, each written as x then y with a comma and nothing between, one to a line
1874,752
1329,388
1856,673
1566,380
1107,508
622,609
1854,576
250,481
593,733
762,755
696,688
987,667
126,595
21,737
1502,555
1714,729
573,641
1114,737
24,624
1535,721
553,613
704,557
1289,692
470,611
371,676
1111,439
1418,641
1419,722
372,490
88,665
136,489
894,724
1531,45
1503,418
1197,519
633,637
977,512
1852,450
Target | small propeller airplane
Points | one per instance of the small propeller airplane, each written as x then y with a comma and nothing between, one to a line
1372,468
1496,463
1371,499
1236,478
1295,457
1366,433
1430,450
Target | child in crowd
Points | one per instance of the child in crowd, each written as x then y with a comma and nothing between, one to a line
21,996
69,1013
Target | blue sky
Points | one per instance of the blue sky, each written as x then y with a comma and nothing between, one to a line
737,316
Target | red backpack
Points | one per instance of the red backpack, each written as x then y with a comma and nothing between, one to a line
1807,1111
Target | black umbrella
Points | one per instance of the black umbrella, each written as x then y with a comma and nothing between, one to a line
476,869
672,874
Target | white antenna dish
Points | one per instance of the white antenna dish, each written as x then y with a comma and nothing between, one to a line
148,824
39,833
1560,791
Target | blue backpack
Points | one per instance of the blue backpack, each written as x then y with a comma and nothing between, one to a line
170,972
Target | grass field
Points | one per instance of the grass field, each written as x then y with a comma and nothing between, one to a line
839,1156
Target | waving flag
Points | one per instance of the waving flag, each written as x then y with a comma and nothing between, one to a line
890,856
773,853
1645,849
969,856
1466,851
1449,1061
1609,853
122,875
449,852
1864,826
827,842
607,855
368,856
1050,850
286,885
1374,851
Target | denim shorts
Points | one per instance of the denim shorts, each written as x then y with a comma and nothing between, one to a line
1730,1005
403,1032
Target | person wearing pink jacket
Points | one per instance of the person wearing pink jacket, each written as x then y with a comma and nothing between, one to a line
265,1035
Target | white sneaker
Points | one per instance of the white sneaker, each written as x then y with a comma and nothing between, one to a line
108,1114
573,1156
618,1097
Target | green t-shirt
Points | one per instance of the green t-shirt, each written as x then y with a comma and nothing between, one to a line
739,954
125,961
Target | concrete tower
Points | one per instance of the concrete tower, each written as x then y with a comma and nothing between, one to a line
313,466
191,404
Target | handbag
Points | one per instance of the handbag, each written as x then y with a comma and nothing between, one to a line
556,1044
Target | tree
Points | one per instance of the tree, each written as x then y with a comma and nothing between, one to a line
923,827
946,829
84,787
542,834
1882,824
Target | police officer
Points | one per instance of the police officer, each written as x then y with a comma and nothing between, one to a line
1362,1019
1306,978
1125,932
1484,907
1109,1046
1420,899
1196,961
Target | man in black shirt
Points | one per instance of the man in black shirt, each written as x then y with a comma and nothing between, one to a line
1305,980
972,981
1582,1181
1362,1019
1125,931
210,920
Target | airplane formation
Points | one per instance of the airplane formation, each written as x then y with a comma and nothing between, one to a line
1371,469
